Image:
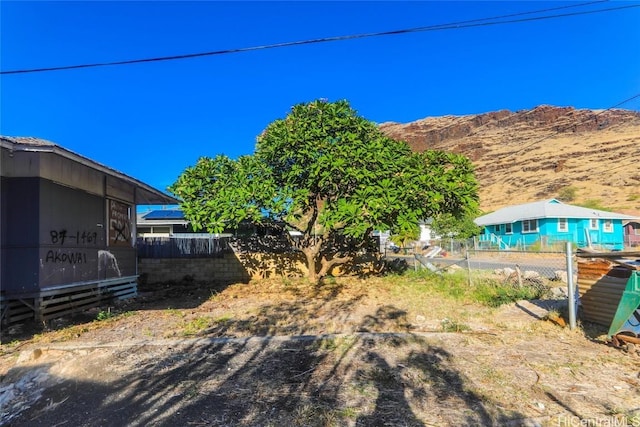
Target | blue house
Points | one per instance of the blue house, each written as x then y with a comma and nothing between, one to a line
550,222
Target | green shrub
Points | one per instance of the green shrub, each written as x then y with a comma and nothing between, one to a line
104,315
495,295
567,194
487,291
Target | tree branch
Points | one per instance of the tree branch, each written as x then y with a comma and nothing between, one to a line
327,265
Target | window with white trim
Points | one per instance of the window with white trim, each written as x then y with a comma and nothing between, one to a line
593,223
607,226
563,225
530,226
508,228
156,229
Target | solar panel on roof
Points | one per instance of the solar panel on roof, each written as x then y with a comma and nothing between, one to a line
165,214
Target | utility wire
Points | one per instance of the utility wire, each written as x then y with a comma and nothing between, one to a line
440,27
615,106
559,131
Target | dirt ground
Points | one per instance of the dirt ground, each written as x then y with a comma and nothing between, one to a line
372,352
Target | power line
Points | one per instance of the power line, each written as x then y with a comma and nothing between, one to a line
559,131
616,106
451,26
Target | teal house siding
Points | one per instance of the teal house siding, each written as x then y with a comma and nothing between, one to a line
548,223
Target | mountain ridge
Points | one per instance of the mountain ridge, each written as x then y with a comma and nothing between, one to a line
583,156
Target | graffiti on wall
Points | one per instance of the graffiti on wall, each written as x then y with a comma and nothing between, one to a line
66,257
119,224
60,237
76,238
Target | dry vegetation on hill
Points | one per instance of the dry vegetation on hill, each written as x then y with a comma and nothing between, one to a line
541,153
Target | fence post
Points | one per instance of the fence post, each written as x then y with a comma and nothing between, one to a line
466,255
571,288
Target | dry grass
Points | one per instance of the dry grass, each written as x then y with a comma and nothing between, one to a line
399,350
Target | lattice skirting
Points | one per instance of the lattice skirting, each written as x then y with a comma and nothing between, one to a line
59,301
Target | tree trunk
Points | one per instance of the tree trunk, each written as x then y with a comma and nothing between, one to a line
319,266
310,254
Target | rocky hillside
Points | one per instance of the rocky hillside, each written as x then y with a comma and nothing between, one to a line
582,156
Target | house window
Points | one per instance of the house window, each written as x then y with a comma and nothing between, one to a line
508,229
530,226
636,229
496,229
607,226
153,230
593,223
180,228
563,225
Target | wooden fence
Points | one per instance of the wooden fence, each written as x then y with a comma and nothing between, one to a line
182,247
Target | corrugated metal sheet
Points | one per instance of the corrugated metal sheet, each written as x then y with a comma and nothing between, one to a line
600,284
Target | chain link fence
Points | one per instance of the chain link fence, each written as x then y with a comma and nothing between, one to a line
520,268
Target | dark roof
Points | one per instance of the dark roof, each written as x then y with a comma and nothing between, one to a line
28,140
164,214
145,194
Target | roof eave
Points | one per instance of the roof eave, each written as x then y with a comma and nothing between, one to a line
145,194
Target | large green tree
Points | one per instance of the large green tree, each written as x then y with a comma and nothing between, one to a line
332,175
447,225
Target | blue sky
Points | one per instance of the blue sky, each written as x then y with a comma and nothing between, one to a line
152,120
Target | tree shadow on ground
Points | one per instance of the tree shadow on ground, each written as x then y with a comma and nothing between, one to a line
363,379
303,382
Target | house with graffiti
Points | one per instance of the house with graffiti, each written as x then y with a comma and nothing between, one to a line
67,230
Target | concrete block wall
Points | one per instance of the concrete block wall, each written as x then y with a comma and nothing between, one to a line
231,268
207,269
238,267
